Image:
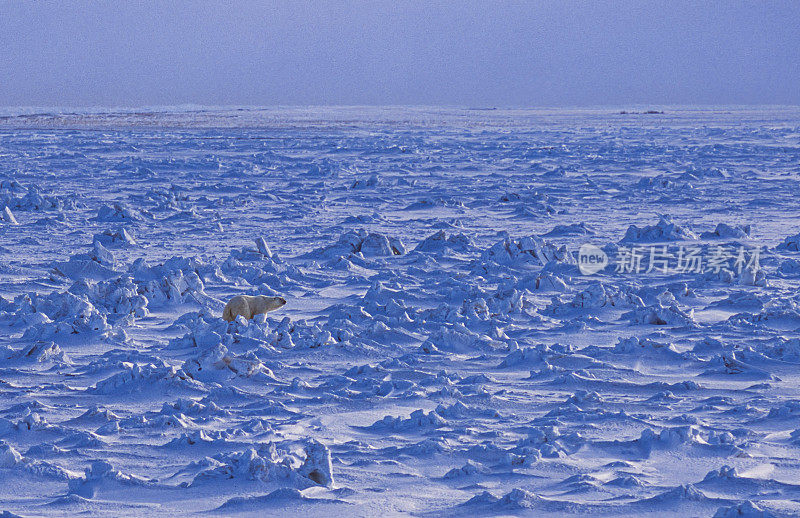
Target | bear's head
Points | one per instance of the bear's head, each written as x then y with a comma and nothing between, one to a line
273,303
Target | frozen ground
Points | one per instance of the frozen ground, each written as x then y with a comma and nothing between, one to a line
440,352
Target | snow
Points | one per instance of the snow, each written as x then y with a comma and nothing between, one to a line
440,352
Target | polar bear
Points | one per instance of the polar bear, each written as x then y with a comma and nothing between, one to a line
248,306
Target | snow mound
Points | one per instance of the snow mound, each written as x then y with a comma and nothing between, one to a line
680,494
59,316
101,474
99,264
41,352
137,378
725,231
121,213
440,242
455,339
664,182
575,229
596,296
115,238
32,199
271,463
746,509
661,315
417,420
217,364
516,499
119,297
664,230
206,331
470,468
367,244
636,345
790,244
531,250
284,497
9,457
178,280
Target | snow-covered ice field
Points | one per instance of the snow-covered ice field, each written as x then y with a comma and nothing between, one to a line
440,352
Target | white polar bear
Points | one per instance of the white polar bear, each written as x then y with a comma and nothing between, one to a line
248,306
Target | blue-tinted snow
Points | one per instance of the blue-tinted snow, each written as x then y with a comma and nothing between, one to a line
440,352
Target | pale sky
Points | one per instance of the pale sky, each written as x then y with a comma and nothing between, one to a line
465,53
